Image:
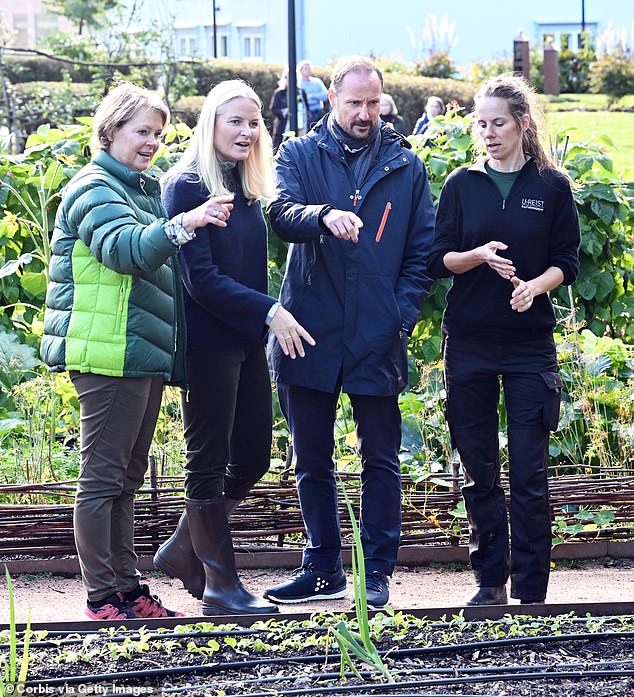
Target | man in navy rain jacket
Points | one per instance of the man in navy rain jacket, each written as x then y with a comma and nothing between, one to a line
355,204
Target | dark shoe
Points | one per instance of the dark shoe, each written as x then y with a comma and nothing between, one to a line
377,591
176,558
309,583
489,595
114,607
210,536
147,605
532,601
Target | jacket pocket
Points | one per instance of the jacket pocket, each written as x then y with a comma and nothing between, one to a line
552,401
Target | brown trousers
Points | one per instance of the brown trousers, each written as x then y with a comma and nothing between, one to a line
117,421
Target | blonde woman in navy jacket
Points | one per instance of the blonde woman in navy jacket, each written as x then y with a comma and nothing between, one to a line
507,231
227,412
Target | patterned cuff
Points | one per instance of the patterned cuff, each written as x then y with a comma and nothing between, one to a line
271,313
176,233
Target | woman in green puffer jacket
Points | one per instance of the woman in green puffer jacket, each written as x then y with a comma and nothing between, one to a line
114,320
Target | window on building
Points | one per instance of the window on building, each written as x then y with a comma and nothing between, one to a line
183,46
252,46
21,26
45,25
224,46
193,49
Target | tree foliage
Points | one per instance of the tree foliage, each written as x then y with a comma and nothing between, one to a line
85,14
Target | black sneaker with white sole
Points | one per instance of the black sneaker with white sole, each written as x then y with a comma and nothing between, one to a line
309,583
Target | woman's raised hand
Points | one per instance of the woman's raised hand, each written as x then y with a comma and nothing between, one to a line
488,255
215,210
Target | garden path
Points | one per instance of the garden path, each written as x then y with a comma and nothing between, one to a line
55,598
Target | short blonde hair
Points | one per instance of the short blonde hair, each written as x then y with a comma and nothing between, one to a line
119,106
390,100
200,158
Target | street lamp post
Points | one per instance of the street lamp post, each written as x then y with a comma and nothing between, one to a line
215,27
291,84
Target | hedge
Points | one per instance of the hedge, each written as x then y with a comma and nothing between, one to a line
409,92
36,77
29,68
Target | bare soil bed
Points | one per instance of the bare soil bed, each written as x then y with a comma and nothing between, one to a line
425,658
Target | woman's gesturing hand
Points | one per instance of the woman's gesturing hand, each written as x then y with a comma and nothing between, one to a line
488,255
215,210
290,333
522,296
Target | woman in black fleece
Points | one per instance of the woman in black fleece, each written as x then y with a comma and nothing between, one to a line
227,411
507,230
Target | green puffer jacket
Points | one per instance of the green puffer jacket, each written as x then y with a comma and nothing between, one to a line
114,301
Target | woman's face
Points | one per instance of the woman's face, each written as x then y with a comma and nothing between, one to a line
237,129
305,71
386,106
433,109
135,143
500,133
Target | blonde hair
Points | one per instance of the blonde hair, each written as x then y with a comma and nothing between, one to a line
437,101
200,156
119,106
390,100
522,101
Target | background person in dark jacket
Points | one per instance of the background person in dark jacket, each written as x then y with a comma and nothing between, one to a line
390,115
279,109
355,204
434,107
113,309
227,411
508,232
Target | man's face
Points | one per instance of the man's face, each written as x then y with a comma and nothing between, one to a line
356,103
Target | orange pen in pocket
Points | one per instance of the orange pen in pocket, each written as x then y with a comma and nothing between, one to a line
386,213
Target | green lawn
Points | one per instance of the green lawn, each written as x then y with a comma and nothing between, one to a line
588,126
590,102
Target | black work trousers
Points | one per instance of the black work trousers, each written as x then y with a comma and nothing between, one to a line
528,371
227,417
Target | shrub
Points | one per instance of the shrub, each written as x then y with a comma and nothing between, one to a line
55,103
612,75
437,64
27,68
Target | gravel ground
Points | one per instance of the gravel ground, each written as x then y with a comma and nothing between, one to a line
54,598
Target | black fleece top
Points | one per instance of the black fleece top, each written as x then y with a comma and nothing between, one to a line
539,223
224,269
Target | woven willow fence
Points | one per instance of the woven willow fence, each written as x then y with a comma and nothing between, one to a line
270,518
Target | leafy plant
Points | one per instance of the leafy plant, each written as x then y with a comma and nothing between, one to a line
15,672
358,643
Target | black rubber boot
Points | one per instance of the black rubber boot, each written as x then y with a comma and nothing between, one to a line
489,595
231,505
176,558
209,531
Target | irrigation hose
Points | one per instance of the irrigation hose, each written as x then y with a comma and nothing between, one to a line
323,658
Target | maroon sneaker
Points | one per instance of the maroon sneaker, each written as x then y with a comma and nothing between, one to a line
114,607
144,604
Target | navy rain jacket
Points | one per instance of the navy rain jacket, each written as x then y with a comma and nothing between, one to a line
359,301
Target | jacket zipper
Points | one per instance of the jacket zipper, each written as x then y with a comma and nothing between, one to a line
386,213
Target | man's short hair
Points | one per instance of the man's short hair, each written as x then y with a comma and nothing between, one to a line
352,64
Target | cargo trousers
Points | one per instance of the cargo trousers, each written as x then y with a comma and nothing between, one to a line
527,371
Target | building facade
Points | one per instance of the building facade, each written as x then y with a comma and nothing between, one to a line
256,30
28,21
